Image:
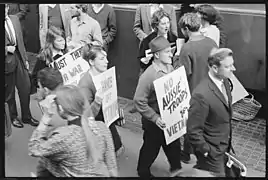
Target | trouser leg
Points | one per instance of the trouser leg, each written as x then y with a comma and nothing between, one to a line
149,151
23,85
173,153
10,94
116,137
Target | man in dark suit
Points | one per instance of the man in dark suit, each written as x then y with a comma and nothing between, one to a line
210,112
142,24
16,71
21,11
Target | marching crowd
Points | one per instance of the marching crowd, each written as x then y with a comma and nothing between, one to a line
71,139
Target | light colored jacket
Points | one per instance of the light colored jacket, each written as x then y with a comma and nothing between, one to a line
43,21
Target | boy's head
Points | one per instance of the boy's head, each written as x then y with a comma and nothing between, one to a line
48,79
190,22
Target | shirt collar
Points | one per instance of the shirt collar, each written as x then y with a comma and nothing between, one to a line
96,9
76,121
55,53
216,81
160,69
51,5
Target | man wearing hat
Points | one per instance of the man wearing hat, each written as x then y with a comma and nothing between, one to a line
146,103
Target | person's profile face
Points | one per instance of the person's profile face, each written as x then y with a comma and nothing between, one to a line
59,43
164,25
226,67
165,55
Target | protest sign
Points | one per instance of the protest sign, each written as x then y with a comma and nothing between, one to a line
71,66
173,97
106,82
238,92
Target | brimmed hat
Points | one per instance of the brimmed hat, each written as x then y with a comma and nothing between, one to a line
159,43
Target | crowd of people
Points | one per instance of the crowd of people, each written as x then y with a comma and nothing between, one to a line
71,139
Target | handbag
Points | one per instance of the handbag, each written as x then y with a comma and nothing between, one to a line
234,166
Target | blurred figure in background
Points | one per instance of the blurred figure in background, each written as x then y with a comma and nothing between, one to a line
212,24
16,72
161,27
83,148
53,49
84,29
97,60
105,15
142,24
193,56
54,15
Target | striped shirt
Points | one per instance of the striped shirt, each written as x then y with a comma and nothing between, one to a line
64,152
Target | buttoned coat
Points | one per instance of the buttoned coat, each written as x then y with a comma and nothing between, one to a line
209,120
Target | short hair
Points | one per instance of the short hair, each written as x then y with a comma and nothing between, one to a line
209,13
50,78
89,52
157,16
83,7
191,21
218,54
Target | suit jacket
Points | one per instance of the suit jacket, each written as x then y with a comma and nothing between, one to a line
142,24
20,53
209,117
43,20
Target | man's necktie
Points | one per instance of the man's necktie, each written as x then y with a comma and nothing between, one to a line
224,92
11,35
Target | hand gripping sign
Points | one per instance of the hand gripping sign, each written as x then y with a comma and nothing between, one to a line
173,97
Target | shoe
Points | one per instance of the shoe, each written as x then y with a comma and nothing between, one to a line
186,158
16,123
31,121
175,172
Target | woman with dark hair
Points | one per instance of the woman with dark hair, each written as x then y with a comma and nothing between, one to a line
83,148
161,25
212,23
54,48
97,60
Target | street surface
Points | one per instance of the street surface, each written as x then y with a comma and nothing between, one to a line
19,164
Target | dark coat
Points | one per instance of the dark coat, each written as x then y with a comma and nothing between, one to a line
208,125
11,59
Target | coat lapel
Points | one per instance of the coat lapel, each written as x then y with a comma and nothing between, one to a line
217,92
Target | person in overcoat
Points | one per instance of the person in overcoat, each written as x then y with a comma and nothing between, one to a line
16,72
209,117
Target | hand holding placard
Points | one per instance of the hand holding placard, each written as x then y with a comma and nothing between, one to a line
161,124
